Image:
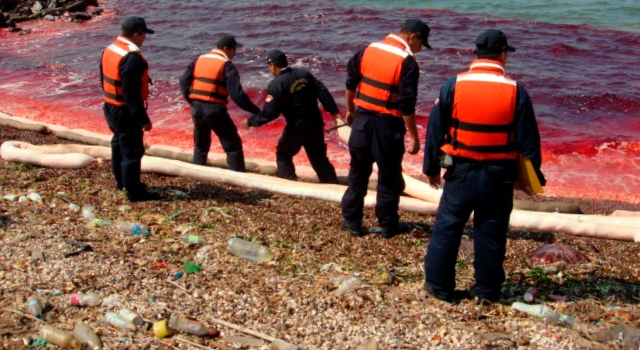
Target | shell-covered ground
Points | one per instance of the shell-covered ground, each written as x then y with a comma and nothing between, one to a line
293,297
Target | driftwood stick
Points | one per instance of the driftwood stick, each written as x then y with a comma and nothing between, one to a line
23,314
254,333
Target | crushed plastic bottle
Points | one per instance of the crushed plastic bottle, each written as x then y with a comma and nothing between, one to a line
348,285
131,317
547,313
249,250
86,337
85,299
111,301
59,337
34,305
119,322
35,197
87,212
194,239
191,326
134,229
74,207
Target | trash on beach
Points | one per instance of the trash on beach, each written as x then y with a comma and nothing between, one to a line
190,267
556,253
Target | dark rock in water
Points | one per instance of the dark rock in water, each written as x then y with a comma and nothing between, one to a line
97,11
80,16
554,253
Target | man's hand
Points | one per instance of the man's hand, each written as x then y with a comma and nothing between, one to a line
414,144
350,116
245,124
434,181
147,127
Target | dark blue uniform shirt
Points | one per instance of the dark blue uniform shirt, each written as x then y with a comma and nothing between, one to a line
295,93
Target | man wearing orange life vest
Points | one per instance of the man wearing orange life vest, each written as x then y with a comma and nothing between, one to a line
124,75
481,122
382,81
206,84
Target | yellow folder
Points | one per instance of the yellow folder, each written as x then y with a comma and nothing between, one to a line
527,177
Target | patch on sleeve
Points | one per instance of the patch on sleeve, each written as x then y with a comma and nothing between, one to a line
268,99
437,101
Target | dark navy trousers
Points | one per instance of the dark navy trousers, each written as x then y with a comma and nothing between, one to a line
380,139
127,148
290,143
484,192
213,116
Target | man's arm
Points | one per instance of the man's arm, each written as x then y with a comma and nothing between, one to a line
527,133
131,70
353,80
325,97
235,89
437,129
186,80
270,109
407,97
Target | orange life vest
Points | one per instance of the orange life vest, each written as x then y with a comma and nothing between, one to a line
484,105
209,83
111,79
380,67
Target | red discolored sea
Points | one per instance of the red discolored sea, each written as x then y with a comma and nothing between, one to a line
584,81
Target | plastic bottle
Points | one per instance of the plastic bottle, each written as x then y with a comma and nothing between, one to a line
530,295
132,317
193,239
134,229
119,322
249,250
348,285
74,207
33,304
546,313
59,337
35,197
85,299
86,337
191,326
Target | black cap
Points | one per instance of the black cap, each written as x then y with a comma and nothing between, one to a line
277,57
227,41
135,24
492,41
420,28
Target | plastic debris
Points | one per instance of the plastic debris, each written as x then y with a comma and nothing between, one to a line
178,213
348,285
74,207
35,307
177,276
249,250
119,322
134,229
58,337
191,326
193,239
111,301
10,197
132,317
84,300
549,254
546,313
87,337
190,267
530,294
161,329
35,197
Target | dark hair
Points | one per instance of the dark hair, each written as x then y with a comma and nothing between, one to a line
490,56
280,64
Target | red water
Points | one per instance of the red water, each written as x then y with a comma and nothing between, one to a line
583,81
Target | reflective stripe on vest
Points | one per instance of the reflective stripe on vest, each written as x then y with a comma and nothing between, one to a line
380,67
111,79
484,106
209,83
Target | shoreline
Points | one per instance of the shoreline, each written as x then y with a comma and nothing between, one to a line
291,297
